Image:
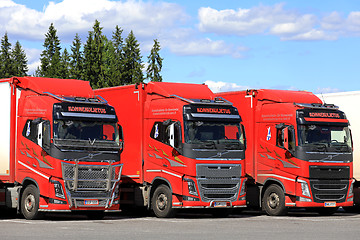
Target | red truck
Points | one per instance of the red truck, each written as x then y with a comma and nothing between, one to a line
299,151
183,148
60,148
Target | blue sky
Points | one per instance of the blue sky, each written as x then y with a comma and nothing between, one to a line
229,45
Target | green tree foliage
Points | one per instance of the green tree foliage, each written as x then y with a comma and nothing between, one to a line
103,62
109,65
77,59
6,68
94,57
118,59
13,61
19,58
65,64
132,72
50,65
155,63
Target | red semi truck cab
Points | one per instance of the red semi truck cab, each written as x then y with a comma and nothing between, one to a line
299,151
59,148
184,147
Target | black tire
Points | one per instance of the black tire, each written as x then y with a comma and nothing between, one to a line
273,201
327,211
95,215
30,203
161,202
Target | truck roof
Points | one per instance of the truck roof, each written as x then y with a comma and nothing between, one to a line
62,87
288,96
185,90
282,96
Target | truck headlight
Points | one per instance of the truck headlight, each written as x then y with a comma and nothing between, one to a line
242,190
59,192
191,186
351,190
305,188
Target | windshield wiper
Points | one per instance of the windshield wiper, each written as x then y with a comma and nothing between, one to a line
232,145
340,147
320,146
209,144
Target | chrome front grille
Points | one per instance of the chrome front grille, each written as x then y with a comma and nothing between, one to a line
218,181
84,182
90,177
329,190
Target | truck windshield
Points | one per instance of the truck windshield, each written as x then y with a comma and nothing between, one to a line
217,132
323,135
86,130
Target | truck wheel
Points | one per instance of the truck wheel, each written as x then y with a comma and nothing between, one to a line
30,203
273,201
161,202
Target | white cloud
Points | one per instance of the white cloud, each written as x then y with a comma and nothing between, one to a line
148,19
224,86
312,35
278,21
353,23
300,24
33,56
327,90
204,46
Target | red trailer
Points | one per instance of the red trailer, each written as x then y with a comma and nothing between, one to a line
59,148
183,147
299,151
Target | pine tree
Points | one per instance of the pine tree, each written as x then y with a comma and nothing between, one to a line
155,63
88,59
65,65
118,61
19,59
77,60
6,68
133,66
93,57
50,56
109,64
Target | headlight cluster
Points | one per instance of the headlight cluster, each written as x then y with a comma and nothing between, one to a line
191,186
305,189
351,190
59,192
242,190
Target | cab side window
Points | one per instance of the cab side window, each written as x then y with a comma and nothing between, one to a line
38,131
158,132
167,132
30,130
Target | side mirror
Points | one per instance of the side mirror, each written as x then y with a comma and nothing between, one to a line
286,138
289,134
43,135
121,137
244,136
39,136
174,135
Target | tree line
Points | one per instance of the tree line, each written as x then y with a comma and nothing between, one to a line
101,61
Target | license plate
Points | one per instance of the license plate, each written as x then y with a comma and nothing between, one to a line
220,204
330,204
91,202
